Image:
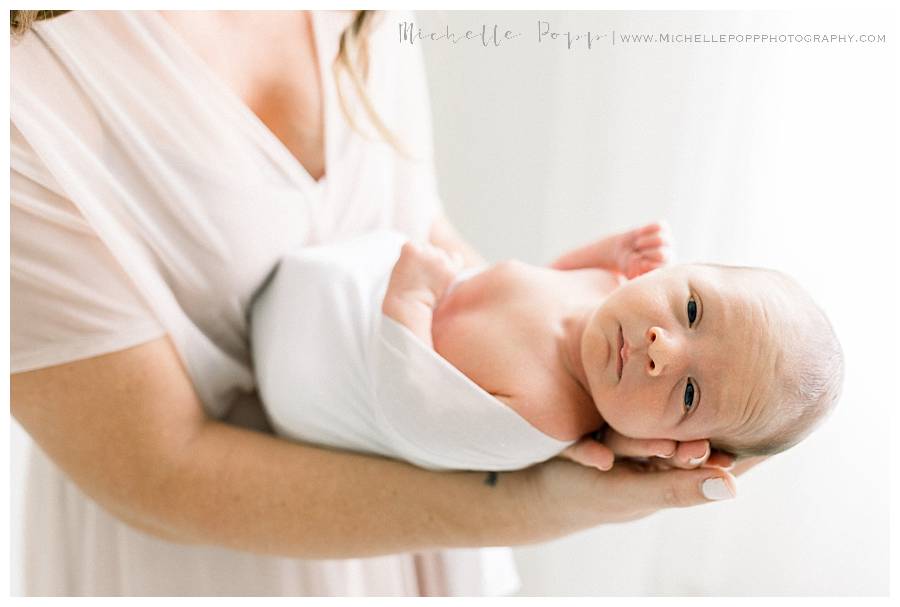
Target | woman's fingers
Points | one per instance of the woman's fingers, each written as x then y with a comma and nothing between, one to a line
580,497
691,454
686,455
747,463
625,446
588,452
721,460
679,488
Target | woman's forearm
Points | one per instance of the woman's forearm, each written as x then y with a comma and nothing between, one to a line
258,493
128,428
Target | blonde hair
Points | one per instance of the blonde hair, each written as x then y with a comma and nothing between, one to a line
21,21
352,59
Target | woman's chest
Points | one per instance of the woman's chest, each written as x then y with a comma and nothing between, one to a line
270,61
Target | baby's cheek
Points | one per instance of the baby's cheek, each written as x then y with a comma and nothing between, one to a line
628,417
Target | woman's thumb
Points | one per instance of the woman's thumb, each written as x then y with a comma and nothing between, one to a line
683,488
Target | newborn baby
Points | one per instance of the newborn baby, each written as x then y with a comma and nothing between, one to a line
739,356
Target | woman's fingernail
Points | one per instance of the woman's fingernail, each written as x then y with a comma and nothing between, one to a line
665,455
696,460
716,489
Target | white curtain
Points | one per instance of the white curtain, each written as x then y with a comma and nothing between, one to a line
779,155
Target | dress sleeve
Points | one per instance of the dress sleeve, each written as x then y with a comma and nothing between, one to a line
69,297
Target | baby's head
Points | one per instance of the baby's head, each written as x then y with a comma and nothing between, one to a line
740,356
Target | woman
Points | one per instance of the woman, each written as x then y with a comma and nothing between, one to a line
160,165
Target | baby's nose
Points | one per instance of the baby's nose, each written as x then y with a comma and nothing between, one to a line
664,351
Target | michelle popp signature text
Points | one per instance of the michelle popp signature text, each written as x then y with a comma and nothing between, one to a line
494,35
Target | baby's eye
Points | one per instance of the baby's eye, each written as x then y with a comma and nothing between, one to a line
688,396
691,311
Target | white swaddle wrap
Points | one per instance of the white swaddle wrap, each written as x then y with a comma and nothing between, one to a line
333,370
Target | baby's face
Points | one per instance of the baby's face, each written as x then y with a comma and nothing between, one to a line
696,350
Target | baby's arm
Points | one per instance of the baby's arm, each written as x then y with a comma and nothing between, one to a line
630,253
418,281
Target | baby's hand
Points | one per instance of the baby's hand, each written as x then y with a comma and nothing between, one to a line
631,253
422,274
643,249
418,282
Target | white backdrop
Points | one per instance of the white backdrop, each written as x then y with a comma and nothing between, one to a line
776,155
757,154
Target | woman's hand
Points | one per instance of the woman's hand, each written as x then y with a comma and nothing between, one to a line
570,498
601,449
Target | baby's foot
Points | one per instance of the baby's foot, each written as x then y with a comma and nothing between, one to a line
643,249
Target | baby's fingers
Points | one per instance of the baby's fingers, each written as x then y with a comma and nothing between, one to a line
640,265
651,228
654,255
588,452
649,242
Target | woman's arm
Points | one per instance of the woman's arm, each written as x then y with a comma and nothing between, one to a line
128,429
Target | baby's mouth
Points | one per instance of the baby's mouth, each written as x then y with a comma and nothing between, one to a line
620,363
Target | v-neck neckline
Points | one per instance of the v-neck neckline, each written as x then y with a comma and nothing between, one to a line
259,128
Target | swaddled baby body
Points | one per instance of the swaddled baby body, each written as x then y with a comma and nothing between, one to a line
514,364
333,370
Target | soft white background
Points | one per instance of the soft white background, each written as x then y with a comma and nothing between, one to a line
775,155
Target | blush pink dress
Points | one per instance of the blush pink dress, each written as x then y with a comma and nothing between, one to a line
148,199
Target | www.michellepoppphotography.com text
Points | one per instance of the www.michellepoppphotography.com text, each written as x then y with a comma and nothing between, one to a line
494,35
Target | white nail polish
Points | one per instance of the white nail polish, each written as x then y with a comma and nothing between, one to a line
716,489
696,460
